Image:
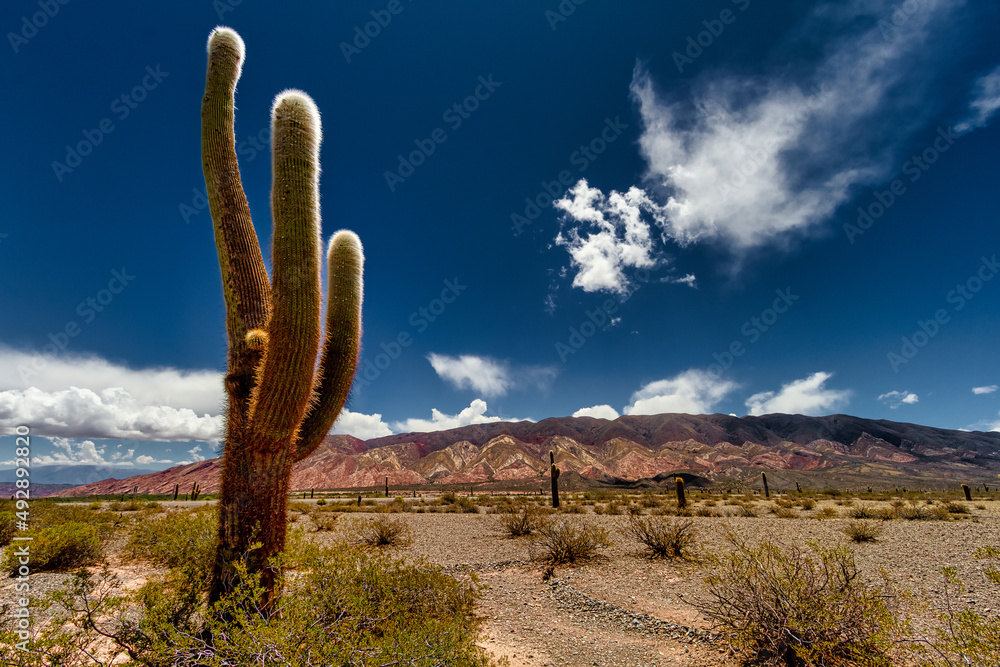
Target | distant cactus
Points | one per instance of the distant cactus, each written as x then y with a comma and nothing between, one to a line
681,500
386,487
767,491
968,492
798,488
280,402
555,479
177,490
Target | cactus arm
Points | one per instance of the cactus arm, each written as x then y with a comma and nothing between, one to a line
244,276
285,375
342,344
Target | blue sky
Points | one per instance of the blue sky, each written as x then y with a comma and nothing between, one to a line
567,208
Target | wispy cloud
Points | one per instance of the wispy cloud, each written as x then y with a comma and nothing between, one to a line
987,389
693,392
753,159
490,377
894,399
985,102
808,396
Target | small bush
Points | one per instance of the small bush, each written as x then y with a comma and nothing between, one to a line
518,522
807,503
383,531
664,538
862,512
567,541
7,528
790,607
862,531
786,513
321,502
177,540
826,513
915,513
956,508
59,548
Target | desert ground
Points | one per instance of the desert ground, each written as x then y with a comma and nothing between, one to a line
624,608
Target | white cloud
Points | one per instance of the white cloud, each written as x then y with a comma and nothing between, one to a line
985,103
988,389
693,392
489,377
200,391
612,238
360,425
807,397
894,399
107,413
145,460
480,374
750,160
598,412
474,414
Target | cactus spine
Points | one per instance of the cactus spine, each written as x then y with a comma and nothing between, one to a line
555,472
279,405
681,500
767,491
968,492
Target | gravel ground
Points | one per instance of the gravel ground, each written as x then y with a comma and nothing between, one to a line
625,609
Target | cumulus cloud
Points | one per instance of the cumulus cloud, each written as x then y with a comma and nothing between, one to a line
984,104
753,159
894,399
598,411
988,389
489,377
439,421
693,392
808,396
200,391
613,237
107,413
69,451
360,425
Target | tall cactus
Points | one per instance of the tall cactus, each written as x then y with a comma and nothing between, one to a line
279,406
681,500
555,479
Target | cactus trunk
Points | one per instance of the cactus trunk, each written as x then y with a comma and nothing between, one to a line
968,492
767,491
681,500
280,403
555,479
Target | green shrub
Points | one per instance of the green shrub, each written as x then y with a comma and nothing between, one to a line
176,540
321,502
790,607
568,541
966,636
7,528
348,608
59,547
664,538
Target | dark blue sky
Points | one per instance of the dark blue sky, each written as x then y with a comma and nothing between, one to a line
787,207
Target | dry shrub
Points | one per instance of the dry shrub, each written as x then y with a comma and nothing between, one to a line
565,540
382,531
862,512
664,538
786,513
826,513
517,522
807,503
862,531
956,508
796,608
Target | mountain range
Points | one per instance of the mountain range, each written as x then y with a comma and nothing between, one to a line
636,450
